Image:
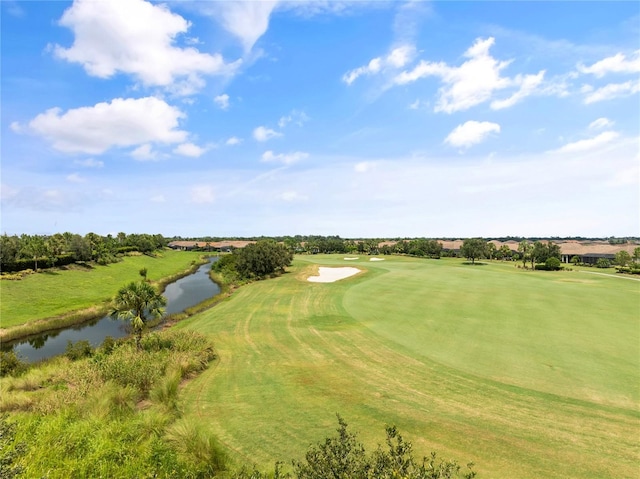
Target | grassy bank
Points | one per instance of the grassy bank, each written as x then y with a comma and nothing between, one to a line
528,374
57,298
114,414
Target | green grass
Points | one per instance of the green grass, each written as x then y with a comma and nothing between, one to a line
527,374
112,415
54,292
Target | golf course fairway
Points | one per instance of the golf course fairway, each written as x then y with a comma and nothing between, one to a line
526,374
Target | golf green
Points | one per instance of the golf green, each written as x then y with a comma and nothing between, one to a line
527,374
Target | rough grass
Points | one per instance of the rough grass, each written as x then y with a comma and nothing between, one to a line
527,374
52,293
112,415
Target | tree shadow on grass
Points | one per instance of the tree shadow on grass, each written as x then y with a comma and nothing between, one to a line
475,264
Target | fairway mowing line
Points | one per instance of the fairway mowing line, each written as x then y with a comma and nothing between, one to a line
610,275
247,334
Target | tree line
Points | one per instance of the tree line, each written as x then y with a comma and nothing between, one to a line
36,251
254,261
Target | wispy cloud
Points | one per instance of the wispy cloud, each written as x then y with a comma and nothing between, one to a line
285,158
190,150
589,143
617,63
473,82
394,60
471,133
611,91
262,133
89,163
600,123
222,101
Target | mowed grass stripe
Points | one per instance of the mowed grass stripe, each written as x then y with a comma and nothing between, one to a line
549,335
292,354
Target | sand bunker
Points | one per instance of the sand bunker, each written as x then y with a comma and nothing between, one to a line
329,275
351,259
376,259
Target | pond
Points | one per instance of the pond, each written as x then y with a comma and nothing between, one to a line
181,294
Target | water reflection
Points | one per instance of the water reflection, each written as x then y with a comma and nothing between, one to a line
181,294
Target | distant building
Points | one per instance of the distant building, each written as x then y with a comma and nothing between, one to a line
222,246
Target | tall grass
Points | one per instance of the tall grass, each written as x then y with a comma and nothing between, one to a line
196,446
111,415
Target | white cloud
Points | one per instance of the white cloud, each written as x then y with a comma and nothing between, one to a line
610,91
473,82
286,158
14,9
590,143
292,196
222,101
202,194
75,178
296,117
247,21
189,149
262,133
615,64
144,153
89,163
16,127
418,104
120,123
471,133
528,85
158,199
137,38
234,140
600,123
397,58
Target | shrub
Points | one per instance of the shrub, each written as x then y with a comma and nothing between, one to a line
166,390
10,364
156,342
196,447
108,345
78,350
553,264
128,367
603,263
342,456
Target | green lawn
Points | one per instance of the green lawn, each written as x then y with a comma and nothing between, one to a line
50,293
527,374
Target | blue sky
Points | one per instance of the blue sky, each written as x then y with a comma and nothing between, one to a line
362,119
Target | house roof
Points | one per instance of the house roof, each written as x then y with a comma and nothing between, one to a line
212,244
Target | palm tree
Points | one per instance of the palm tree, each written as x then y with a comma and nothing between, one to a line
138,302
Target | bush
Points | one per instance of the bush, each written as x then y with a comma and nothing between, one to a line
10,364
603,263
342,456
108,345
553,264
128,367
78,350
